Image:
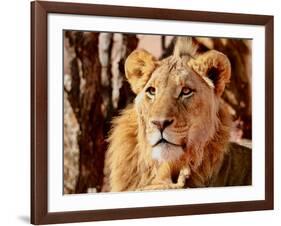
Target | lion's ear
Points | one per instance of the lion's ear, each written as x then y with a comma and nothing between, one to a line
214,67
138,68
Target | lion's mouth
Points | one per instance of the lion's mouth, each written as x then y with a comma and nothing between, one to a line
165,150
163,141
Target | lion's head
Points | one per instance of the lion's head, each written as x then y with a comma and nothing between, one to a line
177,98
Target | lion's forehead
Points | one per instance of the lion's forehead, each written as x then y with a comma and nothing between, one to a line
172,75
176,67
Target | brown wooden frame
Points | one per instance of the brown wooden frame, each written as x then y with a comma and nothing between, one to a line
39,107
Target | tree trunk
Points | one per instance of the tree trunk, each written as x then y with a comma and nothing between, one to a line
96,90
84,97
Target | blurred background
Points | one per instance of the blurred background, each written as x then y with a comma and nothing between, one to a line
95,90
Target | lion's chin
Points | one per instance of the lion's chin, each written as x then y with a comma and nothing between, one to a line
164,152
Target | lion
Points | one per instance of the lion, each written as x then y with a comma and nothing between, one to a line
176,133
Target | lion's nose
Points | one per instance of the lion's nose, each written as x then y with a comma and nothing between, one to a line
162,124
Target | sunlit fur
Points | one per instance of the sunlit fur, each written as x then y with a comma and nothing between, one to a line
200,128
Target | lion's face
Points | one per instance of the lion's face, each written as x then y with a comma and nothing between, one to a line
178,109
176,105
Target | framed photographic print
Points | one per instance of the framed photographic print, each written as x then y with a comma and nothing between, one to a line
146,112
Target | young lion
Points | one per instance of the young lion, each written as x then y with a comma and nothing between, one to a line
176,134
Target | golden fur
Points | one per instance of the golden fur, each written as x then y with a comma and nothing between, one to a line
177,131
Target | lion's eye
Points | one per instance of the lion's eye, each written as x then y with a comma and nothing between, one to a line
151,91
186,92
